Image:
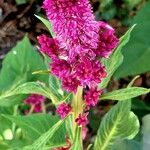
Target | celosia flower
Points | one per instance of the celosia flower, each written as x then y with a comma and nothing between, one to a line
35,101
92,97
108,41
63,110
74,24
79,44
82,119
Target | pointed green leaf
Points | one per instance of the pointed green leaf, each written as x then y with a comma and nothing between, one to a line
120,123
47,24
29,88
127,145
124,94
44,138
19,64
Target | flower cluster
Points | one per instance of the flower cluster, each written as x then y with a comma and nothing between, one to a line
35,101
76,49
63,110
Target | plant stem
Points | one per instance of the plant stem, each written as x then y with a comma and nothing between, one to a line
13,124
77,109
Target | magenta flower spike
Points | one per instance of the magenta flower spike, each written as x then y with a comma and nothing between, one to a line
79,43
74,24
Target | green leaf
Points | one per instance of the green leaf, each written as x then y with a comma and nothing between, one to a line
115,59
4,123
17,68
47,136
140,105
29,88
124,94
69,127
105,3
146,132
55,87
39,125
137,52
47,24
19,64
120,123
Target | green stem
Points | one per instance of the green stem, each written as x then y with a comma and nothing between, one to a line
77,109
13,124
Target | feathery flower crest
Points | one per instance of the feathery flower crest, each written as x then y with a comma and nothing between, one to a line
70,83
74,24
90,72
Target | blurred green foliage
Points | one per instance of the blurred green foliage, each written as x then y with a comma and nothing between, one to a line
137,51
110,9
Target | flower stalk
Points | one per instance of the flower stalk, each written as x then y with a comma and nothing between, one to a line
77,109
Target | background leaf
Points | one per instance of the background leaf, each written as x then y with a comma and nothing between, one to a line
137,52
28,88
47,136
127,145
47,24
146,132
124,94
17,68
